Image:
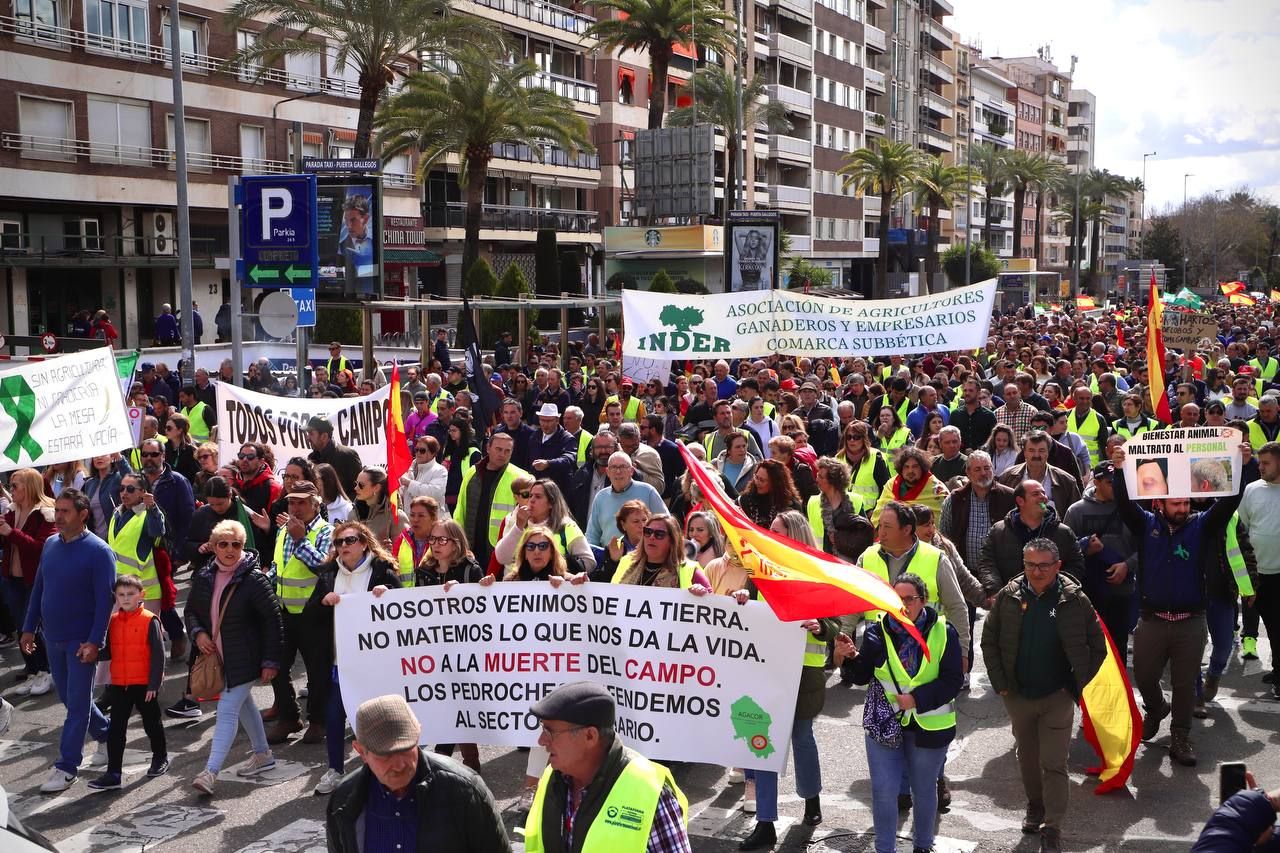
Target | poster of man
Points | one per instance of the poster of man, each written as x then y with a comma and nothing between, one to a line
1196,462
349,238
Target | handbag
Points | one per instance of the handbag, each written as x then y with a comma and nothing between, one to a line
879,719
207,677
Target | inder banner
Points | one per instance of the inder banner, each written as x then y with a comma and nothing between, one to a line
754,323
1183,463
281,423
695,679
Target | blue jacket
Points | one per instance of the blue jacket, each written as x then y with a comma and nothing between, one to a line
167,329
560,451
1170,568
72,597
1236,825
174,496
916,418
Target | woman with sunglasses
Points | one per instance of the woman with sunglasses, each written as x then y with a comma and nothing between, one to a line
358,564
373,506
426,477
592,404
542,503
460,453
868,468
233,611
909,717
660,560
179,448
207,459
102,487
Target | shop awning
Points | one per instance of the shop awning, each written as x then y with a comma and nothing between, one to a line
411,257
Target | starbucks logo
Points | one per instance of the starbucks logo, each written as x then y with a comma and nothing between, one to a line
652,237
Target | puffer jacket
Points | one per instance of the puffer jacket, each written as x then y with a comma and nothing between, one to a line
1078,630
1001,558
251,626
320,615
456,812
1236,825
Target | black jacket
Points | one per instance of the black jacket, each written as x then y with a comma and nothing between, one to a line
251,627
381,573
343,459
456,812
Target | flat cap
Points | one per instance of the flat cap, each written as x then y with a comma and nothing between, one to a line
582,703
386,725
320,424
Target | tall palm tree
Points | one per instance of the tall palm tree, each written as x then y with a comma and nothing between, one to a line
888,170
1075,216
368,36
990,163
1098,184
1047,178
936,187
656,25
466,104
717,102
1028,172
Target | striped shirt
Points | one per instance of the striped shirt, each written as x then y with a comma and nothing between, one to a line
667,834
311,555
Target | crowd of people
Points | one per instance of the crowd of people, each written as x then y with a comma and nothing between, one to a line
987,487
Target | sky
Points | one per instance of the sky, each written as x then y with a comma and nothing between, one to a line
1196,81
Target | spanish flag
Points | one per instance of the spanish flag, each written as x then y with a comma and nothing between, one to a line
1241,299
1275,296
835,375
1112,723
795,580
1155,353
1085,303
1230,287
398,459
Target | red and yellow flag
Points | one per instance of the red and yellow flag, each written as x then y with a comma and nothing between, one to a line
796,581
1275,296
398,458
1241,299
1230,287
835,375
1155,353
1112,723
1085,303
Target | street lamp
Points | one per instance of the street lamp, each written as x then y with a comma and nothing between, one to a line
1216,200
1142,216
1184,225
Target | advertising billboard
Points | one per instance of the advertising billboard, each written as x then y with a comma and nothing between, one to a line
350,235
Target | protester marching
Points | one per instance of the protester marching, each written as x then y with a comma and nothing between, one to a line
894,506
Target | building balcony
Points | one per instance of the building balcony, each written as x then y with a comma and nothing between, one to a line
791,148
936,31
500,217
790,49
790,198
875,122
793,99
801,243
802,9
943,7
551,156
935,138
875,38
548,14
874,80
879,4
936,104
938,68
579,91
73,150
871,244
871,205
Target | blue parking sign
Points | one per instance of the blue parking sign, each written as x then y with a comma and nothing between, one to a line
278,233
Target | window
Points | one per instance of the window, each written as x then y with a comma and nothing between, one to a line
82,235
119,132
199,154
119,26
831,137
191,37
11,237
303,71
39,19
626,86
253,148
247,40
625,151
345,72
48,128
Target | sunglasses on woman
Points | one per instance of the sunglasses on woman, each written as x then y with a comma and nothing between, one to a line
439,540
537,546
347,540
229,544
655,532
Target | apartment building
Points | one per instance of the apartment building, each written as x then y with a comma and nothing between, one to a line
984,116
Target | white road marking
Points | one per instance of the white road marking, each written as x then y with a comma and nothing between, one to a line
135,832
301,836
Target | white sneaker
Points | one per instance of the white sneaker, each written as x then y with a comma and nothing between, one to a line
24,688
736,776
41,683
57,781
328,782
6,716
257,763
99,757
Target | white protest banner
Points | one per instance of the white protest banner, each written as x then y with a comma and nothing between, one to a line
1202,462
281,422
695,679
641,370
66,408
754,323
1185,330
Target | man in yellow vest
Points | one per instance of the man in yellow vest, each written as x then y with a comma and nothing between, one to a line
202,415
581,438
136,527
591,777
336,361
485,496
1264,367
302,546
1089,425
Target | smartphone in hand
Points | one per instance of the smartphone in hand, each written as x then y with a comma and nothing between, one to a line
1230,779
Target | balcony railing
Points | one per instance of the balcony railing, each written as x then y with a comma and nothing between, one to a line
874,79
568,87
938,68
791,49
801,242
937,138
795,99
937,103
63,249
498,217
937,30
71,150
871,205
871,244
790,148
799,8
780,194
551,156
875,122
875,37
547,14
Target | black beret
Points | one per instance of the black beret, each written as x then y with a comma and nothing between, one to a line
582,703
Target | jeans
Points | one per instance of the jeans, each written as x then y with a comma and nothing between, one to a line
804,754
16,597
335,726
235,708
74,682
123,700
1221,616
887,767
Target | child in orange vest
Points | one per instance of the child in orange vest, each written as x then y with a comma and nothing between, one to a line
136,653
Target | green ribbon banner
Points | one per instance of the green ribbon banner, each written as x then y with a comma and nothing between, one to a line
19,403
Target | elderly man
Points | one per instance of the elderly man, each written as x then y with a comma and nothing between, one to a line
580,438
1058,486
1265,426
951,462
646,459
591,777
406,798
1030,518
928,404
602,524
553,452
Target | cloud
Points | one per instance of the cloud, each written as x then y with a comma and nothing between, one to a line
1193,80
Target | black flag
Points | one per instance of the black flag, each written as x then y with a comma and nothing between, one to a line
484,402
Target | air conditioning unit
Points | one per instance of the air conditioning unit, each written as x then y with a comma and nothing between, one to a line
158,233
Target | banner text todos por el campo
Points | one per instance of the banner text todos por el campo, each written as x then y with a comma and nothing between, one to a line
754,323
1202,462
281,423
695,679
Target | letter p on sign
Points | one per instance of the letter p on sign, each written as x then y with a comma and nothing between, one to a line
277,203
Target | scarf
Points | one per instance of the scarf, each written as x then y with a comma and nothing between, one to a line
904,493
354,580
909,650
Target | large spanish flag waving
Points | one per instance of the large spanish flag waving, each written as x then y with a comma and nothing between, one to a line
796,581
398,459
1155,353
1112,723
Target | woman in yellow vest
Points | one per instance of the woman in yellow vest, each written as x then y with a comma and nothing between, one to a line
909,718
869,469
660,560
890,433
809,702
542,503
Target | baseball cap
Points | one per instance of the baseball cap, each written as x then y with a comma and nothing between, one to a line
304,489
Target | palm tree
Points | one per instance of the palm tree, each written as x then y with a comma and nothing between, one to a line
1047,178
991,165
656,25
1029,172
368,36
1073,215
1098,184
888,170
466,104
717,102
936,187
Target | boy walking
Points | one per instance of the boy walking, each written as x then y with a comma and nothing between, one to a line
136,652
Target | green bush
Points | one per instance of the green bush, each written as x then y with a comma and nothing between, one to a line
337,323
662,283
983,264
480,282
803,272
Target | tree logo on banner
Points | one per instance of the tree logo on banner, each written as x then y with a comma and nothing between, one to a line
751,723
682,339
680,319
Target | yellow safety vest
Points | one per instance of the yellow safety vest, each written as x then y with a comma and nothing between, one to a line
294,580
1267,373
124,542
1257,437
1088,432
626,816
404,558
813,509
443,395
710,439
863,481
1119,426
504,500
135,455
924,565
629,412
584,442
898,439
891,671
199,425
684,572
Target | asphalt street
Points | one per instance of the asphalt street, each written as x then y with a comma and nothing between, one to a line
1163,809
